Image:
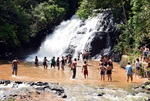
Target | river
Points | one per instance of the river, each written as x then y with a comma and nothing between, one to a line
80,89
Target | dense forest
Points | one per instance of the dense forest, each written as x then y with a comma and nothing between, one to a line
25,23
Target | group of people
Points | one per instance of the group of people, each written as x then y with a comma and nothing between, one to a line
105,66
61,63
53,63
129,70
144,53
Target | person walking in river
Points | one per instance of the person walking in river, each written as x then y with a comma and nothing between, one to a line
58,63
45,63
102,72
69,62
129,72
53,63
15,63
109,71
74,65
85,69
62,63
36,61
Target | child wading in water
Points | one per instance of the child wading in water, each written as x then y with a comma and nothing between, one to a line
84,69
102,71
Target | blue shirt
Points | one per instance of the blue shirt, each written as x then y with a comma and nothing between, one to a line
129,69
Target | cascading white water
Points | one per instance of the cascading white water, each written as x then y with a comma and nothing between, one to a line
68,33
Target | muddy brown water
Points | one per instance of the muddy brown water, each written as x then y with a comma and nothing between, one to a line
31,73
80,89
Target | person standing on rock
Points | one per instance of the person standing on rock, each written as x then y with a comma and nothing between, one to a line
74,65
15,63
129,72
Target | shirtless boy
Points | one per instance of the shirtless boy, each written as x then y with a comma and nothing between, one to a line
15,63
84,69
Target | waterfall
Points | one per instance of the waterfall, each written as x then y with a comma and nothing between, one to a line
74,36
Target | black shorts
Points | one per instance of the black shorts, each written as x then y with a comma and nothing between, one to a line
102,72
109,72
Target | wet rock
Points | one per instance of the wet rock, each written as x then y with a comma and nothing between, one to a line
1,81
18,82
45,87
64,96
37,92
31,83
13,95
147,83
39,84
39,88
58,89
135,86
147,87
45,83
15,86
101,94
101,88
25,93
143,86
6,82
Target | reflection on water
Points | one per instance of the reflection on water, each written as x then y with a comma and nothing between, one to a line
77,86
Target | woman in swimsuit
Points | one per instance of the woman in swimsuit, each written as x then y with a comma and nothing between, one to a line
109,71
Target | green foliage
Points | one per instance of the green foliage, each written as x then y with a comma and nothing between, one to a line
86,8
45,13
20,20
136,30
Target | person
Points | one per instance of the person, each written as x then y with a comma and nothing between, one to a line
85,69
137,67
129,72
62,63
15,63
109,71
69,62
74,65
36,61
141,52
45,63
102,71
148,70
58,63
53,63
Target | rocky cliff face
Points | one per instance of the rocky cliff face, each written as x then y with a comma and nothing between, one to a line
101,37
